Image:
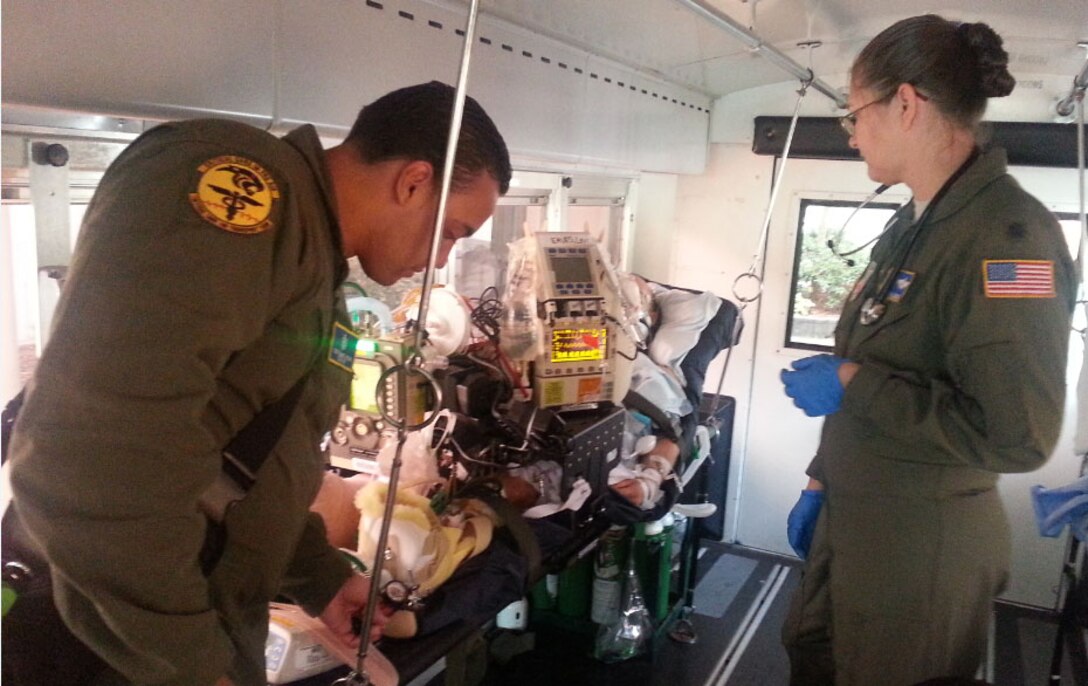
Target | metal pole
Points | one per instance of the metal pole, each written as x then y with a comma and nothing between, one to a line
757,260
359,675
723,21
447,171
49,194
1079,100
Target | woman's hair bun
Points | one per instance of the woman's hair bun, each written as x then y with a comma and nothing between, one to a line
995,81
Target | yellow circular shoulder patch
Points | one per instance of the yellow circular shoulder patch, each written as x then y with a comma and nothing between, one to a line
236,194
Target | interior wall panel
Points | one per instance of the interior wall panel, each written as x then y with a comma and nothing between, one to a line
140,58
280,63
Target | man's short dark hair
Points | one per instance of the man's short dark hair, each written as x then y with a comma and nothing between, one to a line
414,123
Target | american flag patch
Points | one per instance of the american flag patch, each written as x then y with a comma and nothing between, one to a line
1018,278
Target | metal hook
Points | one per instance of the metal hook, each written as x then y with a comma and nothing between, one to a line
808,80
353,679
805,83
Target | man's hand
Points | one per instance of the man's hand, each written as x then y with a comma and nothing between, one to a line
349,603
630,489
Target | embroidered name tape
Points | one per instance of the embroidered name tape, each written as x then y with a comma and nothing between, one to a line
236,194
859,285
1018,278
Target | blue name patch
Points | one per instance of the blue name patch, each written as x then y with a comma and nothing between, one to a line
342,346
899,288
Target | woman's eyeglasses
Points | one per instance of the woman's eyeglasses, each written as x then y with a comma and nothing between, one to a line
849,120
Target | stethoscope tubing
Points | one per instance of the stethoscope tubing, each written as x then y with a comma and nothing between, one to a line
874,307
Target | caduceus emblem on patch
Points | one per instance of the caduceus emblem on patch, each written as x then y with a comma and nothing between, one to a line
236,194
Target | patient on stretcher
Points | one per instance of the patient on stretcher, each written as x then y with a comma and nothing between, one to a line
671,322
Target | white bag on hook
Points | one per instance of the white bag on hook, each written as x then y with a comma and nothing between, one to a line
521,334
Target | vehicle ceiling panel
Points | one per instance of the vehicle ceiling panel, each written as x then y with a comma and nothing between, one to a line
666,38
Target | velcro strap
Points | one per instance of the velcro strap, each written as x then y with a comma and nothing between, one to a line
519,529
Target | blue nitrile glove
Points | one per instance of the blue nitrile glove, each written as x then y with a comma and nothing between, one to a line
802,521
814,385
1056,507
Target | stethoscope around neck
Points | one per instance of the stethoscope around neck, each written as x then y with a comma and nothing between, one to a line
874,307
845,256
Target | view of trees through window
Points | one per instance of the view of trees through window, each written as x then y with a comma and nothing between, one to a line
821,277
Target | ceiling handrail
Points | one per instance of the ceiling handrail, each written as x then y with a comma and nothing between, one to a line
773,54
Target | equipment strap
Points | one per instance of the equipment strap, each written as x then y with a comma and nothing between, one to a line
519,530
248,450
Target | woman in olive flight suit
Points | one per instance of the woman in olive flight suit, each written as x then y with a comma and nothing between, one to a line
948,369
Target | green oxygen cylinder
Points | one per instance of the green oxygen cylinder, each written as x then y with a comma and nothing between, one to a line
653,562
572,599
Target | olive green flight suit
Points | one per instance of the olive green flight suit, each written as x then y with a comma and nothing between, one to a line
171,334
955,387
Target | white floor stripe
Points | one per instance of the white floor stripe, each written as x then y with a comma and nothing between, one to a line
776,586
770,586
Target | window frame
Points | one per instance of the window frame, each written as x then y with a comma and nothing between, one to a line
799,245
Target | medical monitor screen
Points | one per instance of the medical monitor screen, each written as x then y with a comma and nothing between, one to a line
364,386
571,270
578,345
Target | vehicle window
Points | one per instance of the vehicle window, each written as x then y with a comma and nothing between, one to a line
480,261
601,218
1070,222
17,218
822,275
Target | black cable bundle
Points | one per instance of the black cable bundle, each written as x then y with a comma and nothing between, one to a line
487,315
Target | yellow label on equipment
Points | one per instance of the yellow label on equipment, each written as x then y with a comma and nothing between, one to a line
553,393
236,194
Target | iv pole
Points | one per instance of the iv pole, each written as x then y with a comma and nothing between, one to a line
359,676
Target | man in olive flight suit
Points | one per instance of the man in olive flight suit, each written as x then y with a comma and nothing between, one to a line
205,284
959,377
